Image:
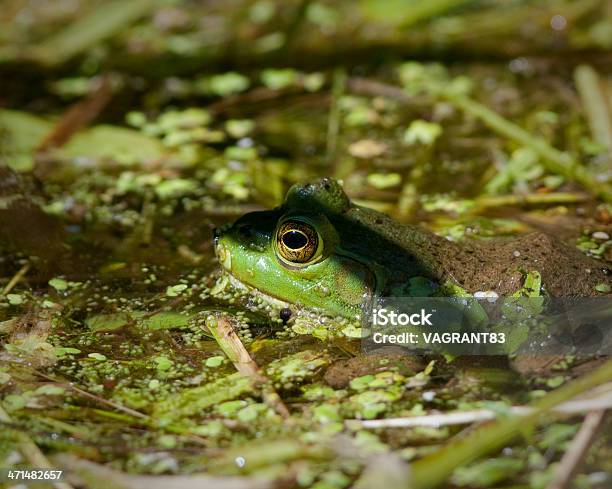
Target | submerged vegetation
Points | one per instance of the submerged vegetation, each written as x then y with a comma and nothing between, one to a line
129,130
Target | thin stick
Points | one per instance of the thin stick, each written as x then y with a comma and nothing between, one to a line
78,115
30,450
434,469
479,415
221,327
333,121
373,88
101,23
556,161
594,102
425,10
99,399
488,201
15,280
149,208
144,419
568,467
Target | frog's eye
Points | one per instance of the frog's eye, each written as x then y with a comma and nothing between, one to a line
297,241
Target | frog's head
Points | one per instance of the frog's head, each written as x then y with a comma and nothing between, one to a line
294,252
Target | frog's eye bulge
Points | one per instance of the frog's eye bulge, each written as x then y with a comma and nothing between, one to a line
297,242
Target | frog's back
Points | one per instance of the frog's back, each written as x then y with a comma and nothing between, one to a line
403,251
566,272
499,264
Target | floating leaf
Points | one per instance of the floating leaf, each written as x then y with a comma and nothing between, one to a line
108,322
175,290
384,180
166,320
487,473
278,79
105,142
422,132
58,284
163,363
14,299
97,356
214,361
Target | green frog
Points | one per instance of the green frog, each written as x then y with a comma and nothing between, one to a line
320,251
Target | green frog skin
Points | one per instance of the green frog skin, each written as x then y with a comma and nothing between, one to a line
318,250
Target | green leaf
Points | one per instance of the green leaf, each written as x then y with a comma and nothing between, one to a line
176,187
97,356
61,351
405,13
14,299
175,290
487,473
166,320
384,180
50,390
191,401
214,362
276,79
120,144
327,413
23,133
422,132
108,322
225,84
163,363
58,284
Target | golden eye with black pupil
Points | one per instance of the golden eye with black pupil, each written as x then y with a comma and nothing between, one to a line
297,242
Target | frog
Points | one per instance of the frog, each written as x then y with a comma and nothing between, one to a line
320,251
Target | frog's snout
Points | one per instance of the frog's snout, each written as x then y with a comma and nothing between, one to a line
218,232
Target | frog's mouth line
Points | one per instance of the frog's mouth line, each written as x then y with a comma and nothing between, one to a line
296,308
267,297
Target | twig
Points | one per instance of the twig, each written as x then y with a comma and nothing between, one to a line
78,116
98,399
144,419
259,94
231,211
149,208
572,459
488,201
221,328
480,415
554,160
425,10
373,88
15,280
100,24
434,469
333,121
595,105
31,451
